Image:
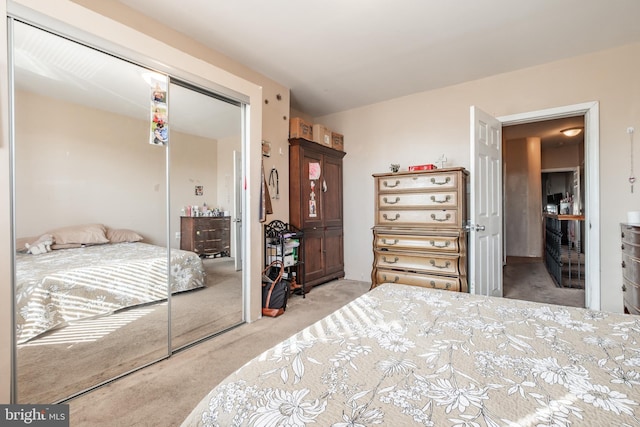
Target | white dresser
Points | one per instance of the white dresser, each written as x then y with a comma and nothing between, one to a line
419,237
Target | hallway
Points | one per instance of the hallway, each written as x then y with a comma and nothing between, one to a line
528,279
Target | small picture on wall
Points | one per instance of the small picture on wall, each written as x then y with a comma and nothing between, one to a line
266,149
199,190
159,94
160,133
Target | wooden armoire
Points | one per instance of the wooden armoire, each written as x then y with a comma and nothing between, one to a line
315,207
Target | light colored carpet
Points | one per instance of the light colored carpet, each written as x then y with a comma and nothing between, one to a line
528,279
62,363
163,394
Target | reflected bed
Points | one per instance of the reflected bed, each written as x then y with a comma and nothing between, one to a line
404,355
64,285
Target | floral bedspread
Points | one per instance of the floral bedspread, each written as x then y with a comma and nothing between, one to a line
72,284
403,355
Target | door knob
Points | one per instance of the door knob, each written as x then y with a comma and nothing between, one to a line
474,227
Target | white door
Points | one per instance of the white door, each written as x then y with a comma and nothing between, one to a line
485,207
237,210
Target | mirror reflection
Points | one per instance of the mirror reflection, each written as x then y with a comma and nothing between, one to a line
205,138
93,267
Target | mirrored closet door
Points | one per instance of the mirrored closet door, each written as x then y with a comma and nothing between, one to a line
205,131
99,264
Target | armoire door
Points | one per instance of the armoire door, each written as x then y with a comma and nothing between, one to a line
332,191
333,251
314,266
312,189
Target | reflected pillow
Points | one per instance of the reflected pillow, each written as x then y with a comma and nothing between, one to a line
122,235
87,234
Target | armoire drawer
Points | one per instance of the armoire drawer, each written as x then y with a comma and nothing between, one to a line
433,181
418,261
415,242
422,217
421,279
438,200
630,249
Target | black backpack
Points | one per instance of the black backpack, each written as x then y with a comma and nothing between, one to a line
275,290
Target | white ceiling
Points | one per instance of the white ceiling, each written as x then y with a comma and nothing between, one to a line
335,55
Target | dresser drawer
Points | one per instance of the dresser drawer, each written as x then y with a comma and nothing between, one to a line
419,279
418,261
431,181
631,295
414,242
419,217
439,200
630,234
630,249
630,268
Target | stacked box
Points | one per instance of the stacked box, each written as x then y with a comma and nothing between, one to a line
337,141
322,135
299,128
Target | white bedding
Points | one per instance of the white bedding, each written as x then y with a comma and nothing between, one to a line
403,355
72,284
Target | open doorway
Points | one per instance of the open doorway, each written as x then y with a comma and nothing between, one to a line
544,176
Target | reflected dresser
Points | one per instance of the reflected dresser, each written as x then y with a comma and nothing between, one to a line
630,235
418,236
206,235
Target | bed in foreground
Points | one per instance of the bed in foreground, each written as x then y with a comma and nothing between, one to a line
64,285
403,355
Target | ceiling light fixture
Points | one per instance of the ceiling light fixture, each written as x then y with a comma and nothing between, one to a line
571,131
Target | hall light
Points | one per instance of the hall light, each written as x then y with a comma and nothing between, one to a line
571,131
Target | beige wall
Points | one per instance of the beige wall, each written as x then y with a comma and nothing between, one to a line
418,128
71,172
100,168
566,156
522,198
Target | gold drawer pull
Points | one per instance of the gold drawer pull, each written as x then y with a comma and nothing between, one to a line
446,181
436,245
446,199
447,285
391,219
395,259
391,203
389,242
386,184
446,264
446,218
395,280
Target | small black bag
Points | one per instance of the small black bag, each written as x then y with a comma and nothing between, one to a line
275,290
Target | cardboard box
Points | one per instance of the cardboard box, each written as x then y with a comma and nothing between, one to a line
337,141
299,128
422,167
322,135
